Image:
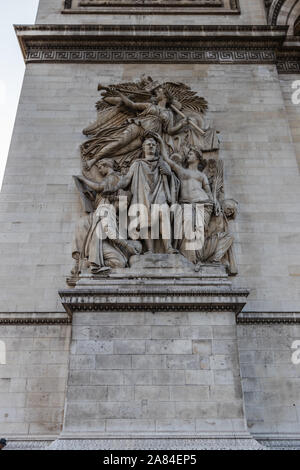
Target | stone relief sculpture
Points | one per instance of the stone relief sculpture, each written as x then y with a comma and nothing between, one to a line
151,148
89,245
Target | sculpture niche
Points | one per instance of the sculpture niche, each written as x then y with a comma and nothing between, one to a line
151,147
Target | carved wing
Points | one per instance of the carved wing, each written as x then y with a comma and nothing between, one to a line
188,99
218,181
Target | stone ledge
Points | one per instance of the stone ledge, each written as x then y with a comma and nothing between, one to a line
150,7
159,443
28,444
250,318
185,30
169,292
279,441
30,318
150,44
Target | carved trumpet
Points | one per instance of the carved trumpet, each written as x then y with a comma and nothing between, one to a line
176,110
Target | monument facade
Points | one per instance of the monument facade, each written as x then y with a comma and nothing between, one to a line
149,245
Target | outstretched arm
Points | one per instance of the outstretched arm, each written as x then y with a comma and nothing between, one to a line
174,129
91,184
131,104
122,184
181,173
177,168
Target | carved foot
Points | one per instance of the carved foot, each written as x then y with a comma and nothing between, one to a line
198,267
99,270
172,251
75,269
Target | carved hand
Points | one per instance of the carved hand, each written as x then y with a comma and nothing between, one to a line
156,136
185,122
164,170
123,98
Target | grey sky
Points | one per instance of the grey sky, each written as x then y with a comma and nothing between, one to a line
11,67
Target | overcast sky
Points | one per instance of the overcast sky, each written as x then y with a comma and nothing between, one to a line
11,68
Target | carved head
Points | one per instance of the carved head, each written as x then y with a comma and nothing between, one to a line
195,155
105,166
149,148
159,93
229,207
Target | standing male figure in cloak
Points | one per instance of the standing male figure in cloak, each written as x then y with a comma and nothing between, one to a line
151,183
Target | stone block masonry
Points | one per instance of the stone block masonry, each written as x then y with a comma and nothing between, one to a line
154,372
270,380
39,205
33,380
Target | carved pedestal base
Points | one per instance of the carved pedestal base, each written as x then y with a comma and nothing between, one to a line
154,356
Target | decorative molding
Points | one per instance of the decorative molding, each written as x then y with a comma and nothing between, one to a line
288,65
207,44
151,55
251,318
150,44
244,318
34,318
267,4
151,3
283,12
274,10
135,298
117,30
152,7
288,58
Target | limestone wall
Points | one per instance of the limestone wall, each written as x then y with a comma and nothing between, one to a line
162,372
270,380
293,110
252,13
33,381
39,205
108,348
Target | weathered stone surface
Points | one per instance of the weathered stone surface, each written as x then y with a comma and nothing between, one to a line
161,383
33,381
149,371
270,380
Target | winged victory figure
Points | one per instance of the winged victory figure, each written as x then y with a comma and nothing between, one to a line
127,112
